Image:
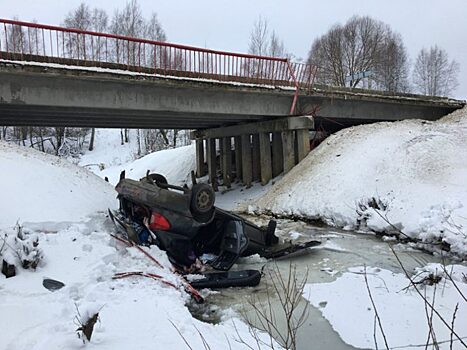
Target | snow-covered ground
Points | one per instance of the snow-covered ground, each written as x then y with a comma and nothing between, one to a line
403,314
109,158
38,187
63,205
418,169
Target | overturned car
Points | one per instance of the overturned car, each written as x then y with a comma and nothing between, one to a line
186,224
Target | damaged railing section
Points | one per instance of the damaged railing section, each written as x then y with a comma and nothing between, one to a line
43,43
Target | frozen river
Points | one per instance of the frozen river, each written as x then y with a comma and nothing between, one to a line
339,251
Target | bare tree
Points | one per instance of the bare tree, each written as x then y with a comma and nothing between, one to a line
263,42
259,38
85,18
131,23
361,45
16,38
276,46
392,71
154,31
79,18
434,74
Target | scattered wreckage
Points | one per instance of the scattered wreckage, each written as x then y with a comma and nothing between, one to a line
193,231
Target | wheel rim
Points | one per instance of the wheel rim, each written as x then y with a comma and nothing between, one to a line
203,200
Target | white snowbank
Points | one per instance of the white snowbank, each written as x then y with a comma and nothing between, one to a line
109,158
38,187
175,164
134,312
346,304
418,168
109,151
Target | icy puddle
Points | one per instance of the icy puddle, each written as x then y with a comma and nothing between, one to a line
339,252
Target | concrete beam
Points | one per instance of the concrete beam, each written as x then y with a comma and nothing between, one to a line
200,168
247,173
59,96
256,166
277,156
238,158
303,144
226,161
265,155
211,154
288,153
276,125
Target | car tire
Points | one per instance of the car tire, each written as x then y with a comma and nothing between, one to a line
202,201
157,179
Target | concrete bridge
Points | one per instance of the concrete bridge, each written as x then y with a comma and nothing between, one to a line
104,80
58,95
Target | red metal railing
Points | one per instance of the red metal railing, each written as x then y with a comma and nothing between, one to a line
37,42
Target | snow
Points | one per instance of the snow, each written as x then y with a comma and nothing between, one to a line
139,74
38,187
109,158
65,204
108,150
346,304
134,313
418,169
175,164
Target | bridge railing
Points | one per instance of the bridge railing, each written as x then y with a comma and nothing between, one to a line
52,44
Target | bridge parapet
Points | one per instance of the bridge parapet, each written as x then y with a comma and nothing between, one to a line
53,44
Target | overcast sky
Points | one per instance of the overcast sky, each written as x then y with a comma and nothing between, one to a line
226,25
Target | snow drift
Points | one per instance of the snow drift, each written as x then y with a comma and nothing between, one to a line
175,164
416,169
39,187
346,305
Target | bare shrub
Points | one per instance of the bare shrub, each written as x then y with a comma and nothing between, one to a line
280,314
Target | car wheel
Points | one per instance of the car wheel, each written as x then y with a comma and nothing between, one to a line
157,179
202,199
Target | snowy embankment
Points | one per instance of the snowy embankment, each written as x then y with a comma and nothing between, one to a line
403,314
37,187
134,312
109,158
416,170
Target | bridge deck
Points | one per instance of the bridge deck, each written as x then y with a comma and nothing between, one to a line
52,94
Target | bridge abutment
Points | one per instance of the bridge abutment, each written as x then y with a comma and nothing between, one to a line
252,152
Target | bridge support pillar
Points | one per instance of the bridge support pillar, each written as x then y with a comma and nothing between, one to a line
277,158
262,150
247,172
200,167
302,144
288,150
211,155
238,158
265,156
256,169
226,161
